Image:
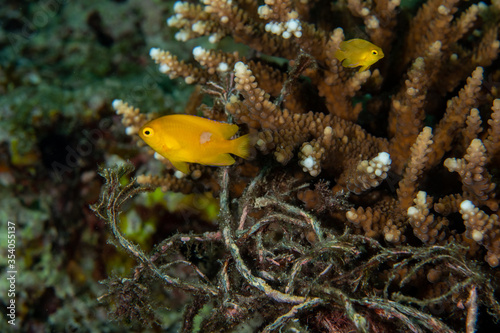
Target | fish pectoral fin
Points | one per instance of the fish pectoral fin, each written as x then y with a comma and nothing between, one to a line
181,166
220,159
364,68
171,144
349,63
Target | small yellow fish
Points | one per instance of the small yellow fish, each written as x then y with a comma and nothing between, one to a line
358,52
184,138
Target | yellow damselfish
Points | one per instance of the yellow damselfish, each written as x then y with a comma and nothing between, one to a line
185,138
358,52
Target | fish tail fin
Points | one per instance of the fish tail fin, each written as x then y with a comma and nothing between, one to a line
241,146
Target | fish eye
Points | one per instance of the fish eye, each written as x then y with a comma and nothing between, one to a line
374,52
148,131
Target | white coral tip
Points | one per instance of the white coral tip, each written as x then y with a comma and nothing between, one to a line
178,5
130,130
308,162
467,206
198,51
383,158
158,156
154,52
351,215
412,211
240,68
223,67
117,103
164,68
477,235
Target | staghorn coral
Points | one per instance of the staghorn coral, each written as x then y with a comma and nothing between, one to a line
482,229
475,179
387,141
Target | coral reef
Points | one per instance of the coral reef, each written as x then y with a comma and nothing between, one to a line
369,203
355,217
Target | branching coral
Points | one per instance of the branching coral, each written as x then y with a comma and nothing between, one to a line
388,142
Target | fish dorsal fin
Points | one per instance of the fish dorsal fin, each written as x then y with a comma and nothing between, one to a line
227,130
355,44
